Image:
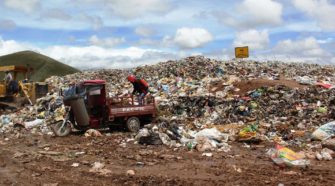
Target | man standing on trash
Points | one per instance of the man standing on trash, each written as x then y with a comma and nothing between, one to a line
140,86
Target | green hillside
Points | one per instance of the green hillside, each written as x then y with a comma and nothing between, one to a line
43,66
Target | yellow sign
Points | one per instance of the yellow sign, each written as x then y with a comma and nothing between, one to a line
242,52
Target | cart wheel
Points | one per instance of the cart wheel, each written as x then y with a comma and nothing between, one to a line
133,124
64,131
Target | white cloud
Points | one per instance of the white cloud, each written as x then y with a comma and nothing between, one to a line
252,13
325,41
321,10
10,46
6,24
308,47
192,37
149,42
95,21
27,6
302,50
252,38
144,31
106,42
264,12
92,56
56,14
98,57
132,9
167,41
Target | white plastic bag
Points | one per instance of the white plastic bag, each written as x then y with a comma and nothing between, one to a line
212,134
32,124
324,132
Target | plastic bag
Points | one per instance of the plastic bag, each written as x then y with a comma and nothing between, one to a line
283,156
212,134
32,124
248,133
324,132
5,119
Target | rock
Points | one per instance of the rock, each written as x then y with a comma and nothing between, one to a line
290,173
85,162
330,144
140,164
99,168
325,154
75,165
19,155
138,157
207,154
167,156
204,144
310,155
50,184
318,156
36,174
92,133
130,173
145,152
52,153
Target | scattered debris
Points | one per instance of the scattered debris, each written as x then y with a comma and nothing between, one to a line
92,133
283,156
130,173
99,168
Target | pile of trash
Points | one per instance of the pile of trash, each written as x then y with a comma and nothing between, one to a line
211,106
176,136
36,118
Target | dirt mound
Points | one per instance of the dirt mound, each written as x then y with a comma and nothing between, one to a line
246,86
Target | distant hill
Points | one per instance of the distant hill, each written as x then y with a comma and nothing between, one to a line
43,66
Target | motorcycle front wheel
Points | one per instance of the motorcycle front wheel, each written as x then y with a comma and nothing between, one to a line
61,131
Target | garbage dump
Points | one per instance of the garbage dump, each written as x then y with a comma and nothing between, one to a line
199,97
209,110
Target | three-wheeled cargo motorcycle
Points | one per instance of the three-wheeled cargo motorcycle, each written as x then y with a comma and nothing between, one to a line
87,107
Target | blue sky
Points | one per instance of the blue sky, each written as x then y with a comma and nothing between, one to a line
118,33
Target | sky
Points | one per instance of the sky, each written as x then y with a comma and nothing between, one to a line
90,34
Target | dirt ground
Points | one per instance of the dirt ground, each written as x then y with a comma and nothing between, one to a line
47,161
246,86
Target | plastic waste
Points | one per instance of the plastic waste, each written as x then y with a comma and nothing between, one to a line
165,138
283,156
256,94
5,119
248,133
32,124
142,133
212,134
324,132
322,110
165,88
191,144
253,105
